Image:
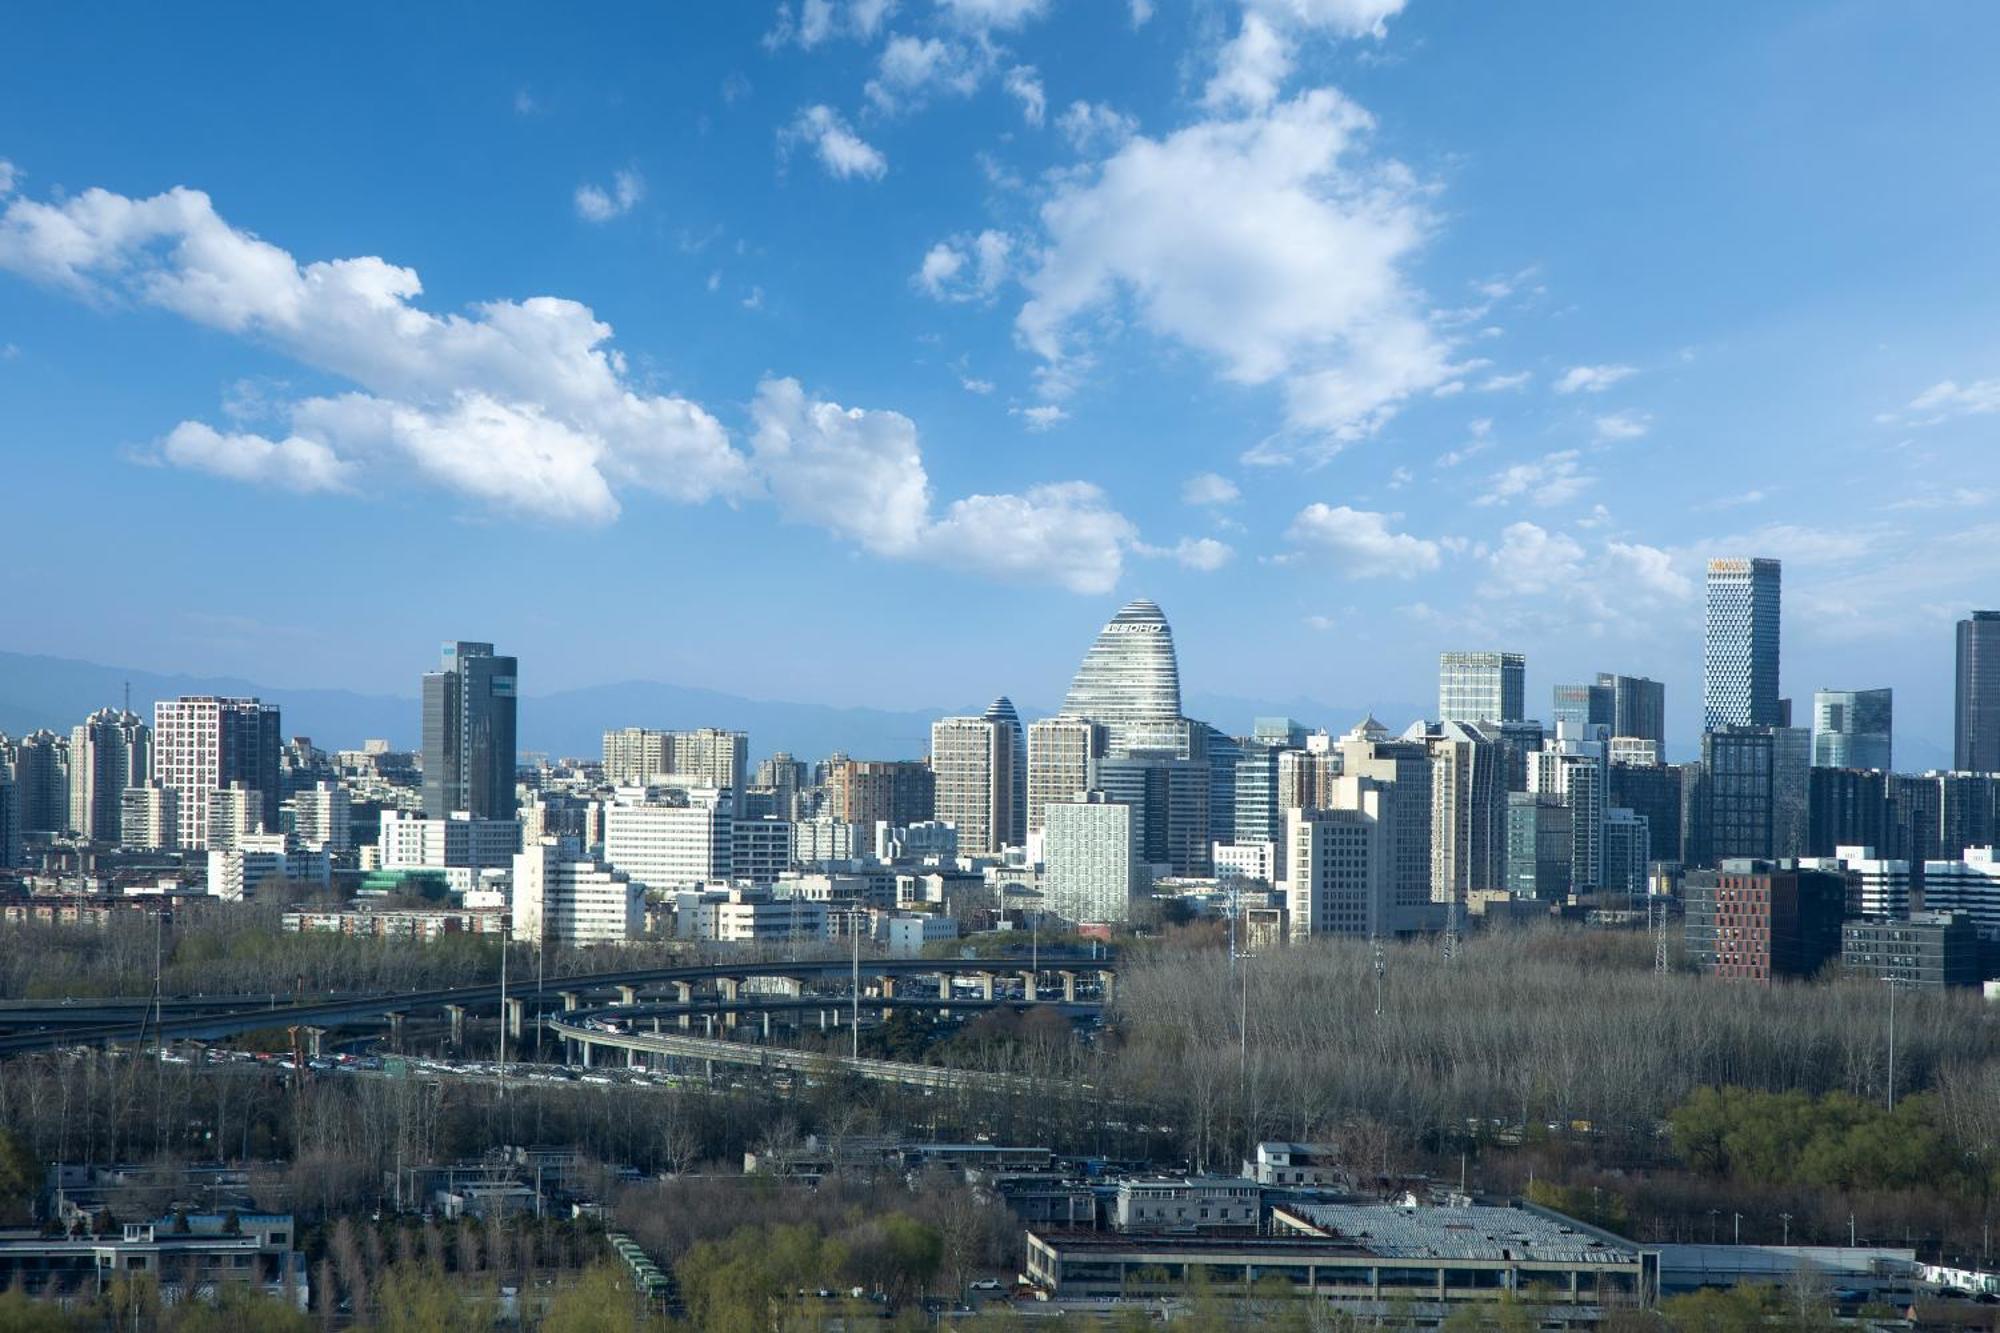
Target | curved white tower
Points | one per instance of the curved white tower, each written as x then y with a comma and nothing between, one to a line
1129,680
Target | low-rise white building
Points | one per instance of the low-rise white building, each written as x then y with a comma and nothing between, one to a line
235,873
559,898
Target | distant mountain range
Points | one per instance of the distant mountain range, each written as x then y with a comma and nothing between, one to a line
56,692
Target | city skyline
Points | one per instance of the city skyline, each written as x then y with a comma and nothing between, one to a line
1565,515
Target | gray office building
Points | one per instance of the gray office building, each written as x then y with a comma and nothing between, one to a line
1851,728
469,736
1482,687
1926,950
1739,670
1976,728
1755,785
1584,706
1638,706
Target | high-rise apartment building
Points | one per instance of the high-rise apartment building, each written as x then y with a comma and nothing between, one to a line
706,757
1062,762
1976,717
1002,711
1575,770
470,706
149,817
1739,675
1853,729
203,744
1468,811
1401,768
322,818
1090,859
896,792
1482,687
110,751
41,782
972,760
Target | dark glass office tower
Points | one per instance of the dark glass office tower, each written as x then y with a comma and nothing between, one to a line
1976,733
469,745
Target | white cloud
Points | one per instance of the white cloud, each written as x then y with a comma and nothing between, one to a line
1941,402
972,384
1255,63
1203,553
1616,426
1531,561
980,15
8,175
1362,543
856,473
1253,69
1026,86
842,152
1142,12
911,68
1592,379
1957,497
533,381
294,463
753,299
1093,127
594,204
816,21
860,474
1501,383
1041,417
1552,479
1736,501
1209,488
1264,241
965,268
1322,623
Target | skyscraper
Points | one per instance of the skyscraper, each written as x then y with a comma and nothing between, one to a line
1739,674
1852,729
41,782
110,751
1482,687
469,747
1976,729
1638,706
1129,680
896,792
972,761
1585,705
707,757
1002,711
1091,855
203,744
1756,783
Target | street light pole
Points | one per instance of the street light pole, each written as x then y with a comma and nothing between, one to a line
1891,980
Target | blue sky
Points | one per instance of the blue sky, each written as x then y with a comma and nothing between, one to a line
874,352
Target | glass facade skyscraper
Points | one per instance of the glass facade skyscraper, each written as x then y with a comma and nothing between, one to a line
1976,723
469,737
1852,728
1482,687
1739,673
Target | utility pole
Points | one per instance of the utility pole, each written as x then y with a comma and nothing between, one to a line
1786,1218
854,1027
1451,931
1891,980
506,930
1380,967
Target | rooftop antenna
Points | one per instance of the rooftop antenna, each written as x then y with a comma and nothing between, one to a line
128,696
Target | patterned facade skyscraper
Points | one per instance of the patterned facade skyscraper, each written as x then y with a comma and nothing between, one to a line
469,748
1130,682
1739,675
1482,687
203,745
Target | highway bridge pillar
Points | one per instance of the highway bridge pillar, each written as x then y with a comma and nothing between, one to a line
684,994
708,1025
767,1024
570,1000
985,980
1069,986
517,1011
395,1031
583,1058
822,1020
456,1013
888,988
633,1058
628,995
729,988
1107,982
313,1039
1028,983
944,985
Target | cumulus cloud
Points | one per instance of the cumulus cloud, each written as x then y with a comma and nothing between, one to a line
965,268
1255,63
595,204
1209,488
1592,379
1205,554
1026,87
1531,560
1268,242
843,153
859,473
1552,479
7,177
534,383
1362,543
816,21
911,68
1547,580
